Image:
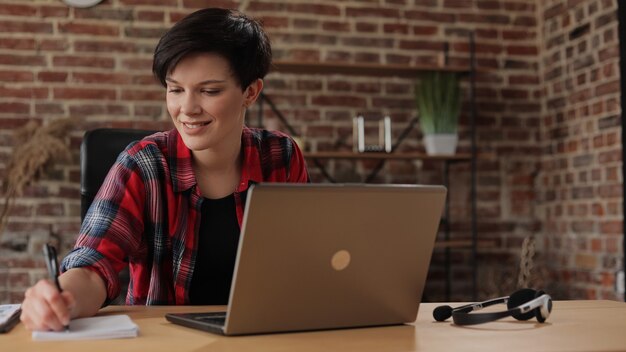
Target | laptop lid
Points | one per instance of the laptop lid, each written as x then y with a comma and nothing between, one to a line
321,256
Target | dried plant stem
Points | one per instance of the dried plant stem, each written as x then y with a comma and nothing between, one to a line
35,147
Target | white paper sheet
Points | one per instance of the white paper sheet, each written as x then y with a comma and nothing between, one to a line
105,327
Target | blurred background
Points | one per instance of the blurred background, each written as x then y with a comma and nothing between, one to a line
543,88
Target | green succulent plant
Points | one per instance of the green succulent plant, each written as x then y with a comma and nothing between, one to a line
438,99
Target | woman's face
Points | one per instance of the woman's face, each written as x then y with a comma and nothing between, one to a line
206,102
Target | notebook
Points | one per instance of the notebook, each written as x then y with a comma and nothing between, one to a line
94,328
326,256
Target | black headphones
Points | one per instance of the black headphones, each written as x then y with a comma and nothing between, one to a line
522,305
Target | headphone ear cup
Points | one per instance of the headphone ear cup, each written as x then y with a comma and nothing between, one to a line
520,297
540,318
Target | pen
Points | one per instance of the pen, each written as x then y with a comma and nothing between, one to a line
50,254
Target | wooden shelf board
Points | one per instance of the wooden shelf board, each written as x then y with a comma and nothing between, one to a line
363,69
377,155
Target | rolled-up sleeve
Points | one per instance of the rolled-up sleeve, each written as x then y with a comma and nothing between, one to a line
113,226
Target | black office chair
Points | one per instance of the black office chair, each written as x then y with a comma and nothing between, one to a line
98,152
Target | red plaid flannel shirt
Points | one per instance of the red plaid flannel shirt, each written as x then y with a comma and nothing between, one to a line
148,211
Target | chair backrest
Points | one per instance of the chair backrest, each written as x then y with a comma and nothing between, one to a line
98,152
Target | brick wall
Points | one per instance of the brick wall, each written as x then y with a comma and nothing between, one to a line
579,185
94,65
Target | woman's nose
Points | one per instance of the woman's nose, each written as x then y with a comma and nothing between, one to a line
190,105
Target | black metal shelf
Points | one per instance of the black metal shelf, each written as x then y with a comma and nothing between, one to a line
377,70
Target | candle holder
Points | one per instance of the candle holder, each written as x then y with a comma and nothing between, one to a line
358,136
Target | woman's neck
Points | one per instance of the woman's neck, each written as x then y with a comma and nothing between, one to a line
217,170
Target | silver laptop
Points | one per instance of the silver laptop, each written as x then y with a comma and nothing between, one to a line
320,256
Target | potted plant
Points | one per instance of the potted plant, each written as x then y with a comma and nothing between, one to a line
438,99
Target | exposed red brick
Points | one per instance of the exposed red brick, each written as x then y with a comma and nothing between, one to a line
372,12
486,19
14,108
328,10
396,28
368,42
27,93
143,95
523,80
608,88
49,76
612,227
515,94
274,21
89,29
84,93
554,11
145,64
14,123
487,34
398,59
148,110
525,21
83,61
53,44
305,23
19,44
334,26
54,11
364,27
371,58
489,4
144,32
338,100
393,103
458,3
525,50
421,45
104,46
341,86
226,4
50,209
16,76
519,6
103,78
609,53
104,14
18,10
172,3
49,109
511,34
305,55
177,16
431,16
151,16
425,30
84,110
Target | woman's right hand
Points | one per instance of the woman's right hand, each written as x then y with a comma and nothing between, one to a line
45,308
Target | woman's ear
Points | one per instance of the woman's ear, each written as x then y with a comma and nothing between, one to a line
251,93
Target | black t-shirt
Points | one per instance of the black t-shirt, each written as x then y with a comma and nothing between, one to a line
217,250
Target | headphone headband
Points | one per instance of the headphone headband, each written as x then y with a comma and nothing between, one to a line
522,305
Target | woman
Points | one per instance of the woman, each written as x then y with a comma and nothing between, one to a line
172,204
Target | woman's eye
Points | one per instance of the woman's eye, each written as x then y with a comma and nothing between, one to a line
174,90
211,91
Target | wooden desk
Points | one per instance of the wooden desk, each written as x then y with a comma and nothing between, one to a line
573,326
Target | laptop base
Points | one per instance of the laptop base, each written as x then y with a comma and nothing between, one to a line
211,322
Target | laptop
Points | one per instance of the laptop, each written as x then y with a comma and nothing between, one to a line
328,256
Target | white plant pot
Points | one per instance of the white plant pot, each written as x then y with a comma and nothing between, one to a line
441,144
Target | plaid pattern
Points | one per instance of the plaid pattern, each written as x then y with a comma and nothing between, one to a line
148,212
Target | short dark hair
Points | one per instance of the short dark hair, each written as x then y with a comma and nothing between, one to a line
229,33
